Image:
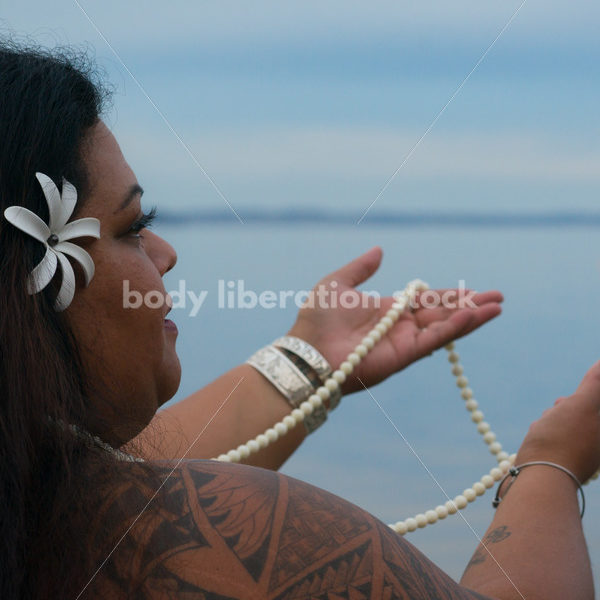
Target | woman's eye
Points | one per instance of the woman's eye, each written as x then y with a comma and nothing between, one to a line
144,222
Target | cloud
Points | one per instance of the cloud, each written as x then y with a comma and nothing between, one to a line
148,23
369,153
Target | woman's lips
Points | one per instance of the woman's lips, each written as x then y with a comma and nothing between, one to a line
170,325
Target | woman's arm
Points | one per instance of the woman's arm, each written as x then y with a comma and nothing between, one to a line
538,519
539,523
252,404
228,412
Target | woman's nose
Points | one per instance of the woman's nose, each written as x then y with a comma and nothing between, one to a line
161,252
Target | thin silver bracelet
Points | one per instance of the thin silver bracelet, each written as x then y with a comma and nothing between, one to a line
514,471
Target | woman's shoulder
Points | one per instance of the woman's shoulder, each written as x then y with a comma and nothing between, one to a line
204,529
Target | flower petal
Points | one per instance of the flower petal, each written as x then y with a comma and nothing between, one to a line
28,222
89,226
52,199
43,272
67,286
80,255
68,202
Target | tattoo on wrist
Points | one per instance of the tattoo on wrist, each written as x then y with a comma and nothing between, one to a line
495,536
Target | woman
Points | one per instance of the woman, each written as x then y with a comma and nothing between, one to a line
78,521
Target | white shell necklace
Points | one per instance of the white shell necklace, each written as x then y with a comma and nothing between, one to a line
403,301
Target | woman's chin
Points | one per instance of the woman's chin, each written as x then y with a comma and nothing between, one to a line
172,382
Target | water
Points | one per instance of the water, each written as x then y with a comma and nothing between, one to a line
536,351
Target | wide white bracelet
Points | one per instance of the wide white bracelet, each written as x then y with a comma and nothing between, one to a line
314,359
289,380
307,353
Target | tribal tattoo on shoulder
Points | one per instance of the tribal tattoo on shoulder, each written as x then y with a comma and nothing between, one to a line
228,532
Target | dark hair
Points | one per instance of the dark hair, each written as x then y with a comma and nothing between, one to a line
49,100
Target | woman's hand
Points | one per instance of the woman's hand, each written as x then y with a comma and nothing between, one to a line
335,331
569,432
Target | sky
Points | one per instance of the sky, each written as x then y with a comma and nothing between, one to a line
318,104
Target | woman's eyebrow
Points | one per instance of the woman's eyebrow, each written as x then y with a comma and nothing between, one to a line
135,190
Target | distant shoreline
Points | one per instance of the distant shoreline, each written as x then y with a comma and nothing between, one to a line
383,219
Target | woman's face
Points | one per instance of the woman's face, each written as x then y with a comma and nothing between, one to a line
129,353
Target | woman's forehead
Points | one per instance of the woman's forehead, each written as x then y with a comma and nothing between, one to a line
111,177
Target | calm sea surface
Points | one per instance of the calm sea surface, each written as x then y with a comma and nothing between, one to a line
537,350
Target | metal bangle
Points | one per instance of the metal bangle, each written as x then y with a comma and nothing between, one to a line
306,352
315,419
289,380
314,359
514,472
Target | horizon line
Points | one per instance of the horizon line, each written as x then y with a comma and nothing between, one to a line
292,217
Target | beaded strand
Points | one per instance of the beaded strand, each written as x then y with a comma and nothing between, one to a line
489,437
451,507
403,301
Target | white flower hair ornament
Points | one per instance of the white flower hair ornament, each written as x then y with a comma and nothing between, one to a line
54,236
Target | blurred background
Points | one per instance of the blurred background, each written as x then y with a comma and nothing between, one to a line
267,137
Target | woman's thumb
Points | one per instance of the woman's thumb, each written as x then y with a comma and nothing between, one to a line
358,270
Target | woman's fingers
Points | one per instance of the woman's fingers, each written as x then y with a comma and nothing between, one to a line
440,304
459,324
590,384
358,270
456,298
